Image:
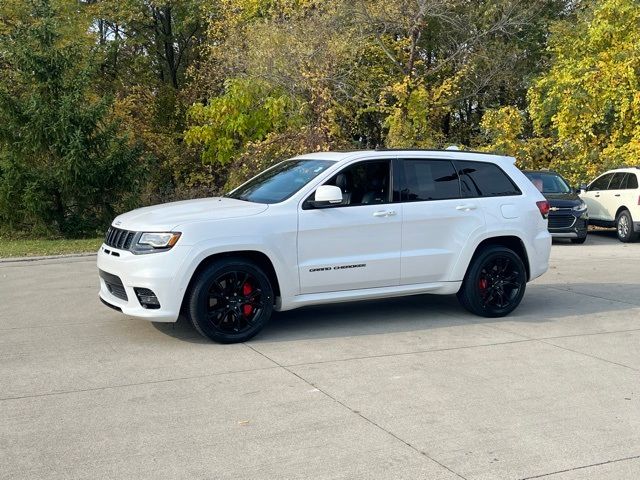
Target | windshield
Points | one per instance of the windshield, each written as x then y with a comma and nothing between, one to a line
548,182
280,182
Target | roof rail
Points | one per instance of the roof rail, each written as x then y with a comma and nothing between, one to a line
381,149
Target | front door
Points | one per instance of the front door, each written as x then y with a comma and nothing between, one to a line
594,197
356,244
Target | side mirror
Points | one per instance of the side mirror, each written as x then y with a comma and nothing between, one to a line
327,196
583,188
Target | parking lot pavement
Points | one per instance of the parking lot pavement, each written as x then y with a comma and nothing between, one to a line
411,388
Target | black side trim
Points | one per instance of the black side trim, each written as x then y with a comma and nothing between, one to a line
109,305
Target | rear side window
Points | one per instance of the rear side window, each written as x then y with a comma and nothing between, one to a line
632,181
422,180
480,179
601,183
617,182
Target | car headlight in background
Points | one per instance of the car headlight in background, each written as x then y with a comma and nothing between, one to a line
151,242
579,208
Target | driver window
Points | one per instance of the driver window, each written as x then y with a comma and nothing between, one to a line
363,183
601,183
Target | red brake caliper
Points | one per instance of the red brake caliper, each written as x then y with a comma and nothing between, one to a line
483,284
246,308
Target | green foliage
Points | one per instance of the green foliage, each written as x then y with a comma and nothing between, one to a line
247,112
64,165
504,133
199,95
588,103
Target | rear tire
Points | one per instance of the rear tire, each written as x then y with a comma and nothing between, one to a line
495,283
624,227
230,301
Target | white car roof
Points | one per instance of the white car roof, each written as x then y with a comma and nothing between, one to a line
448,154
623,169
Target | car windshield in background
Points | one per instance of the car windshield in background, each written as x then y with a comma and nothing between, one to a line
280,182
548,182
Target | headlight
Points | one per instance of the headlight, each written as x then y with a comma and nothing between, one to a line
151,242
579,208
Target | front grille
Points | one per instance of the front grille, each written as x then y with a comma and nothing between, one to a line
114,285
561,221
118,238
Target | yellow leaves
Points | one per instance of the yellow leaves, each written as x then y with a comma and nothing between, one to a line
503,128
589,101
416,111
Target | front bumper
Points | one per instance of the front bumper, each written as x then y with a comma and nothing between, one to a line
163,273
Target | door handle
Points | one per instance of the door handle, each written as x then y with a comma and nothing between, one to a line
617,194
384,213
597,196
466,208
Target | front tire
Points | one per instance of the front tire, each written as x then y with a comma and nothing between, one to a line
230,301
624,227
494,284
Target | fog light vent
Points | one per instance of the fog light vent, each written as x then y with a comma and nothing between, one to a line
147,298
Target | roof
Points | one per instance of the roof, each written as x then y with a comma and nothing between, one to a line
382,153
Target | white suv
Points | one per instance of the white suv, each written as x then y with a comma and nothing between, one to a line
613,200
332,227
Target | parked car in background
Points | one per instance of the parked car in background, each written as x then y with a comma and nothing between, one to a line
332,227
613,200
568,214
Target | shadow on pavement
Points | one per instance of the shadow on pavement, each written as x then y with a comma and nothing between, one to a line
542,303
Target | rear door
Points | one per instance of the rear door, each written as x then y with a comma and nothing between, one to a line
631,197
611,198
437,222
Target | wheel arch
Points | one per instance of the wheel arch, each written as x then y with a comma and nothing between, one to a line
511,242
619,211
254,256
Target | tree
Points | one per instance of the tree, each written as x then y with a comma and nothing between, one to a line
588,104
64,164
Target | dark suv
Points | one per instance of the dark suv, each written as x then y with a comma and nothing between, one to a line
568,217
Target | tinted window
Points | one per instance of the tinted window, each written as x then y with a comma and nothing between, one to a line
601,183
632,181
617,181
280,182
480,179
428,180
548,182
363,183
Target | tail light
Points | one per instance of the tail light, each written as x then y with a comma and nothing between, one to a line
543,206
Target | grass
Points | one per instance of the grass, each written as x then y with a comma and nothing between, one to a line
27,247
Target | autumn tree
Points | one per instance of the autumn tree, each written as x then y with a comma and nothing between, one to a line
588,103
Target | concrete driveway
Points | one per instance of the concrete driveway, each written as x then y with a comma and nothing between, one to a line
411,388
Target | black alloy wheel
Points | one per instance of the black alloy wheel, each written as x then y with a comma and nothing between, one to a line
231,301
495,283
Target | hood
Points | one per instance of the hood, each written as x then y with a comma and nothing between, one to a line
168,216
563,199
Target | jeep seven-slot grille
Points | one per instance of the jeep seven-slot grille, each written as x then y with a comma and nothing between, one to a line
118,238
